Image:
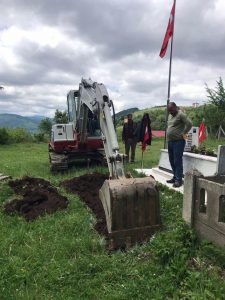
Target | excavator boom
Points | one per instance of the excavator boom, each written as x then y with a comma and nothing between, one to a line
94,96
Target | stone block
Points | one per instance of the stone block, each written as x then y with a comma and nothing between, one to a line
189,193
220,167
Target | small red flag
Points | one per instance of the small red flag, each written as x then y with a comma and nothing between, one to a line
201,132
169,32
146,138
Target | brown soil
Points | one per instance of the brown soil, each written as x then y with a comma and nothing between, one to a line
87,187
37,197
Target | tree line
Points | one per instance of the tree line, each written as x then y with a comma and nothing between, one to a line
20,135
212,113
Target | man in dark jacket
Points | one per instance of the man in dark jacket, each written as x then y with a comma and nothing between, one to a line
129,138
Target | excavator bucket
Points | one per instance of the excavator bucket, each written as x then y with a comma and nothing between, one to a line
132,210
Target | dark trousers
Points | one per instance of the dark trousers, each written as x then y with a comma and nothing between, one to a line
130,144
175,151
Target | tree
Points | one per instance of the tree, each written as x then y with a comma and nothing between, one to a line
19,135
4,136
60,117
196,115
45,126
215,112
213,117
217,96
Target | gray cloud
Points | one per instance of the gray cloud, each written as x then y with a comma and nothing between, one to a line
114,42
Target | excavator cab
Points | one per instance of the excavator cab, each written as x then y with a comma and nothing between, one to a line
78,140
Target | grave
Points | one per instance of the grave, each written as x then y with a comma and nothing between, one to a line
203,163
204,201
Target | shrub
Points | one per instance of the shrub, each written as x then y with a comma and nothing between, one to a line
19,135
4,136
40,137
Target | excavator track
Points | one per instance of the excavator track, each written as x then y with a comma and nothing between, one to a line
58,162
62,162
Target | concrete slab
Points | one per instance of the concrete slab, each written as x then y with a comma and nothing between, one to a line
203,163
161,176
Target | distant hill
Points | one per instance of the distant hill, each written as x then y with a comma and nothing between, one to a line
36,118
12,121
120,115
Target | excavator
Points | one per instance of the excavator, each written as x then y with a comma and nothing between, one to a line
131,205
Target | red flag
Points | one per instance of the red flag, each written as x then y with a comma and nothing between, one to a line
169,32
201,132
146,138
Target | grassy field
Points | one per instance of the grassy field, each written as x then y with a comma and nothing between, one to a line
60,256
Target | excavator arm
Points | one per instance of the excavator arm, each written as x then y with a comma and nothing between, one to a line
131,205
94,97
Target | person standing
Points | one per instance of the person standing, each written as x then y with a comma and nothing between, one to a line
129,138
145,134
177,129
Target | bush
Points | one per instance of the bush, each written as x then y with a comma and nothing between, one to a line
4,136
40,137
19,135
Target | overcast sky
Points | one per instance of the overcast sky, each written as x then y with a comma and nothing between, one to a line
47,46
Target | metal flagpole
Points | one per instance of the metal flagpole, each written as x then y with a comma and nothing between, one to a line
142,160
169,80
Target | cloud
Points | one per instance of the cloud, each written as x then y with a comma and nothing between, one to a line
46,48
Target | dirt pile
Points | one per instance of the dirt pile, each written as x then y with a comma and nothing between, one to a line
87,187
37,197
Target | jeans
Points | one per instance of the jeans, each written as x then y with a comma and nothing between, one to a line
175,151
130,144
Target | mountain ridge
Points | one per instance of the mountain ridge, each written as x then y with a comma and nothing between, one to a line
29,123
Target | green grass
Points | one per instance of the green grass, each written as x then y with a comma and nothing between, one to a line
151,154
213,143
60,256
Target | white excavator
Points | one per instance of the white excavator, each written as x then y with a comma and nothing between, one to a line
131,205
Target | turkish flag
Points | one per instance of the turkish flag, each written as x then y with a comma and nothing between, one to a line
201,132
146,138
169,32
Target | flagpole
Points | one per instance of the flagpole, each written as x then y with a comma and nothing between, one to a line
169,79
142,160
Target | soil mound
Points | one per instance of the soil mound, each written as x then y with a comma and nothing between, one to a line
37,197
87,187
